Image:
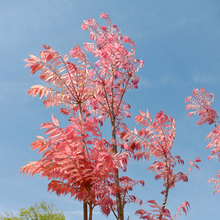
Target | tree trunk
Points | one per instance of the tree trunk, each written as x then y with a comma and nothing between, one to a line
85,211
90,211
118,195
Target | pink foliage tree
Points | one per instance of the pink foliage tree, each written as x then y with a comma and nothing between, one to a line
156,139
201,104
77,159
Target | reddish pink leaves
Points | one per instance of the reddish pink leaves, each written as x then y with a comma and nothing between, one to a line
193,164
128,40
105,16
156,139
77,159
185,206
202,103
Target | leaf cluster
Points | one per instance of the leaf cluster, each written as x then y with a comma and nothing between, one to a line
202,101
43,211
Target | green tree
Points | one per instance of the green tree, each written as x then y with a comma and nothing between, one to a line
9,216
43,211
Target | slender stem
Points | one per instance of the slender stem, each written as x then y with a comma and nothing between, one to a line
68,72
61,79
122,95
85,210
167,189
118,195
106,97
114,213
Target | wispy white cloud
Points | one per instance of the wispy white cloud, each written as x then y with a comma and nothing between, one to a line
166,79
145,83
205,78
14,89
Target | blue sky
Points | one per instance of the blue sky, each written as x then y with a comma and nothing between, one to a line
179,42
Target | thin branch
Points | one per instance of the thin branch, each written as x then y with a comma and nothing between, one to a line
114,213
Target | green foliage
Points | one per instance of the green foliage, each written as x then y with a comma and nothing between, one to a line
43,211
9,216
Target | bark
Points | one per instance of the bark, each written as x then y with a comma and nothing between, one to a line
90,211
85,213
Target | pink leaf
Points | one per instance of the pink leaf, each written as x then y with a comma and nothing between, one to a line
61,69
55,121
40,137
58,63
66,57
142,113
148,115
46,47
196,166
125,146
35,58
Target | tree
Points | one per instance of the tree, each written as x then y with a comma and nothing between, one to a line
202,102
156,137
9,216
77,159
43,211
